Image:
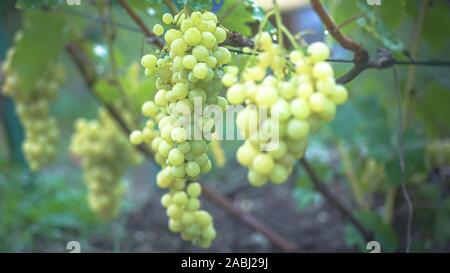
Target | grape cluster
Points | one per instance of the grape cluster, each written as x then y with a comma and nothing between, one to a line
32,107
284,101
185,216
188,72
105,155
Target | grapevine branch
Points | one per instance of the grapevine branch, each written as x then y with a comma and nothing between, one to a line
89,76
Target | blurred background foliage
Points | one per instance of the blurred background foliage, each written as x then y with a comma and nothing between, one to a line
356,154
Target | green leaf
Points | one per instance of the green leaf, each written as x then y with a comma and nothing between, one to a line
392,168
106,91
237,15
391,12
413,153
384,234
257,11
442,233
363,121
304,193
433,109
44,35
354,238
35,4
436,23
138,87
342,10
379,24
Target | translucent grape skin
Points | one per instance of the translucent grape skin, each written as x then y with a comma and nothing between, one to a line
263,164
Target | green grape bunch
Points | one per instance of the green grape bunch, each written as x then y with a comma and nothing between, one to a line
105,155
188,71
297,92
33,110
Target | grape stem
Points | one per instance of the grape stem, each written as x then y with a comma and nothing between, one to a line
88,73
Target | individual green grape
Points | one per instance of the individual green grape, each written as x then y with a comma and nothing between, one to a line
300,108
180,90
266,96
149,61
194,190
340,95
236,94
317,102
200,70
158,30
167,18
318,52
180,198
263,164
150,109
178,47
256,179
326,85
179,135
222,55
192,169
279,150
198,147
220,34
175,157
189,62
171,35
322,70
305,90
208,40
193,36
246,153
279,174
281,110
201,53
297,129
